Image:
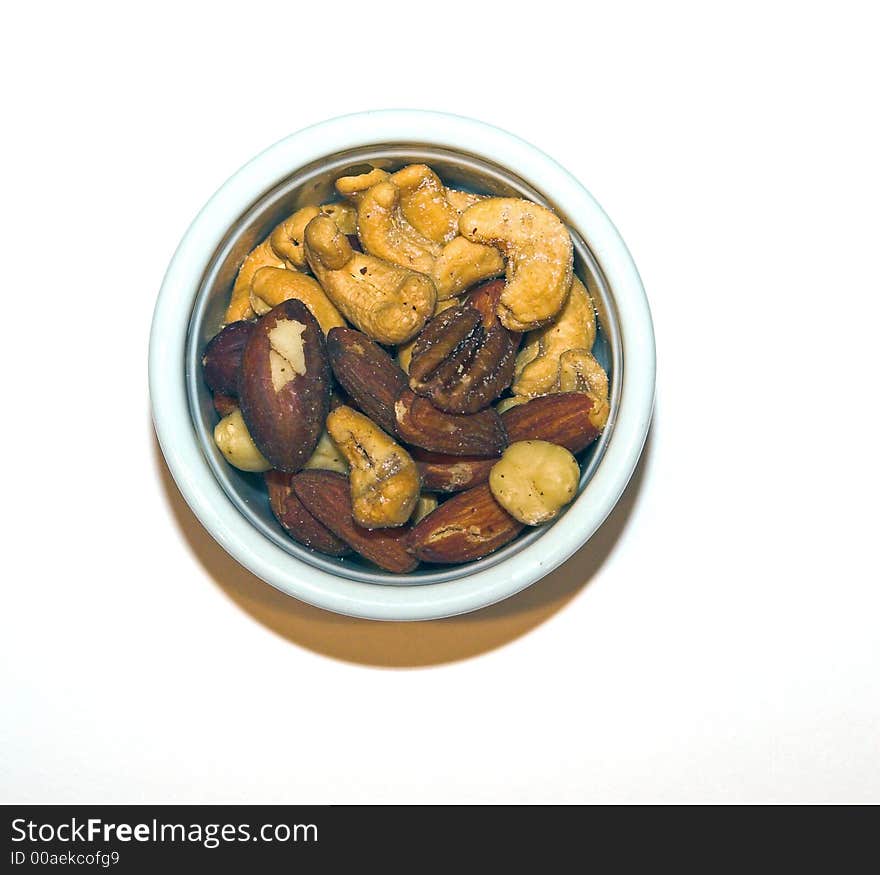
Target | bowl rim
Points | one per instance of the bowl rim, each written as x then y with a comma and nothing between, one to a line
190,468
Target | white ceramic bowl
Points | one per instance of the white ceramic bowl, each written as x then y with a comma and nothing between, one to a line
298,170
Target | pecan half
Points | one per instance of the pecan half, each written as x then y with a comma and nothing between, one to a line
464,358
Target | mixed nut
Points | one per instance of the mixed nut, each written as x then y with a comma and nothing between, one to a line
411,368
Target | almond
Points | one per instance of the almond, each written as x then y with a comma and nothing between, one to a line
563,419
466,527
420,423
296,520
444,473
224,404
326,495
285,385
372,379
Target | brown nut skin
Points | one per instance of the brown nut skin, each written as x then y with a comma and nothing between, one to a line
368,374
468,526
464,358
224,404
326,495
291,513
221,362
476,434
285,421
571,419
445,473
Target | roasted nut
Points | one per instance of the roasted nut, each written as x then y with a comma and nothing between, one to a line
386,302
539,257
534,480
327,456
240,302
506,404
538,362
580,372
353,187
384,480
463,359
284,389
367,373
221,362
386,233
224,404
289,236
345,216
404,352
326,496
461,200
571,419
271,286
425,505
296,520
235,442
423,203
466,527
476,434
444,473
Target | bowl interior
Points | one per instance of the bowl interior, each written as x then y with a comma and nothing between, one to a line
312,185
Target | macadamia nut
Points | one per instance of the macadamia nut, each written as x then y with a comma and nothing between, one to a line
534,480
238,447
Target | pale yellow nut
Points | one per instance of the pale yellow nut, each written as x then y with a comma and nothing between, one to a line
327,456
538,362
288,238
404,352
353,187
539,255
271,286
238,447
240,302
580,372
463,264
388,303
461,200
425,505
384,480
506,404
534,480
424,204
345,216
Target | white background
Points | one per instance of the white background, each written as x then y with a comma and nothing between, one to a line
716,641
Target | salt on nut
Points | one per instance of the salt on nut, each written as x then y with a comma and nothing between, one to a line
235,442
534,480
384,480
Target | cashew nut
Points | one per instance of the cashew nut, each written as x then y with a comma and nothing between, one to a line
388,303
240,302
534,480
424,204
385,232
404,352
345,216
538,362
288,238
384,480
539,257
235,442
513,401
461,200
327,456
271,285
580,372
425,505
353,187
